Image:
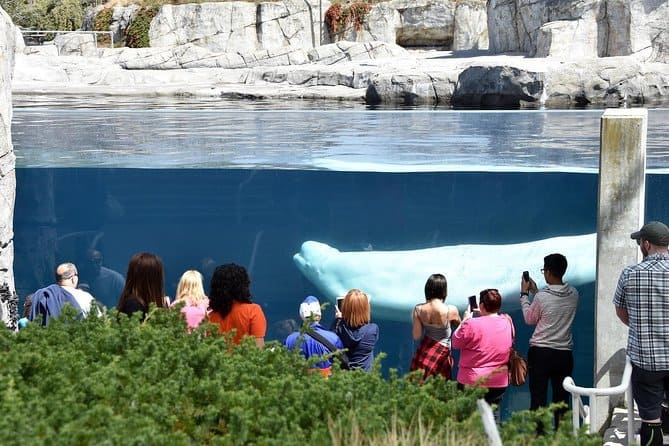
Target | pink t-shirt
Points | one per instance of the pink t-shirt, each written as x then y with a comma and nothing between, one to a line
194,314
484,343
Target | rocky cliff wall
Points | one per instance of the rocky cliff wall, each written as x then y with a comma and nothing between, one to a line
240,26
8,38
580,28
449,24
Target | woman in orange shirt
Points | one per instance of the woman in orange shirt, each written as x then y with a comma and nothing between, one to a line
232,309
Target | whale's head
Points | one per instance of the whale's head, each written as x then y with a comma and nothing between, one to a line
315,262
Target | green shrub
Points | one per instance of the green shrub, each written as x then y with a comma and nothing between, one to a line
137,34
115,380
101,23
62,15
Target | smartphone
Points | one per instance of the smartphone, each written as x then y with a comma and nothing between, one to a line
526,276
472,303
340,303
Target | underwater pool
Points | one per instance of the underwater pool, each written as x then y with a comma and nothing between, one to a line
201,187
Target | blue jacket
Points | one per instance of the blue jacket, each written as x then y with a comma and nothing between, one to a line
49,302
311,347
360,343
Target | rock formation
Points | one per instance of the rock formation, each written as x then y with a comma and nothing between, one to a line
192,56
448,24
240,26
8,298
272,50
580,28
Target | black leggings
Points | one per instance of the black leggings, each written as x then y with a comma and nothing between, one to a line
544,364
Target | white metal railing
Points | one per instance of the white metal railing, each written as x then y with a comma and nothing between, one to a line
579,410
56,33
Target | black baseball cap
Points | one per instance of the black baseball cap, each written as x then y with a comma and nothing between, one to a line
655,232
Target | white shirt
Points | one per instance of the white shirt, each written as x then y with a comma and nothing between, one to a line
83,298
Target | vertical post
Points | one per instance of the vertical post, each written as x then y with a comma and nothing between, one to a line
575,413
622,174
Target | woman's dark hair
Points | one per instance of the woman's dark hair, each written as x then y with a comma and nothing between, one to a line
436,287
144,281
230,282
491,300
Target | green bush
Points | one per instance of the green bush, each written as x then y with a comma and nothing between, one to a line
115,380
62,15
137,34
101,23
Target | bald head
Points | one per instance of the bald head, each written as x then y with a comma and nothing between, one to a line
67,275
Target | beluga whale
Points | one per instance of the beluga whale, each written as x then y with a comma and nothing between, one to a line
395,280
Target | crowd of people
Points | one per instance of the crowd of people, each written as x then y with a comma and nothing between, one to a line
483,335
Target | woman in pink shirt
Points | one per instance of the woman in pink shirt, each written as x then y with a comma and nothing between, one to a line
190,293
485,343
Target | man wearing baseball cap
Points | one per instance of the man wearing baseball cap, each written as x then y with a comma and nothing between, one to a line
317,340
642,303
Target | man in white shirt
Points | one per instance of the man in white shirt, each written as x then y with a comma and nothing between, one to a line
67,277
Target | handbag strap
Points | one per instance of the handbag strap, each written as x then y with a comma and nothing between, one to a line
322,339
513,331
329,345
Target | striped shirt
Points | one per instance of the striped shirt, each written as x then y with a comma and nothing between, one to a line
643,290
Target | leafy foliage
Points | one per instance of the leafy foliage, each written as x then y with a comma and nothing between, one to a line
102,22
339,17
116,380
137,34
62,15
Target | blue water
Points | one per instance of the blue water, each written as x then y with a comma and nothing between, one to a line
204,187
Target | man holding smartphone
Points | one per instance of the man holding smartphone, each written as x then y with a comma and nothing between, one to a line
642,303
552,310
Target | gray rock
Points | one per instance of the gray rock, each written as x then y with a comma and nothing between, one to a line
41,50
193,56
375,71
76,44
567,39
404,89
661,47
572,29
381,23
452,24
20,45
237,26
471,26
122,17
8,38
428,23
498,86
354,51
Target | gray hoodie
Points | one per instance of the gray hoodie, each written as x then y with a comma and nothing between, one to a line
552,310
